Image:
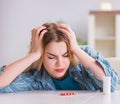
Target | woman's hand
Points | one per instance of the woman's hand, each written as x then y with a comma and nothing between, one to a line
87,61
70,34
36,40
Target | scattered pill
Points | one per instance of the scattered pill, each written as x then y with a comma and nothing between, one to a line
68,93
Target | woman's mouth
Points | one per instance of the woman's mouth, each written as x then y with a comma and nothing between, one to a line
59,70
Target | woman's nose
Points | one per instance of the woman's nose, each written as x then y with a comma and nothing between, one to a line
59,62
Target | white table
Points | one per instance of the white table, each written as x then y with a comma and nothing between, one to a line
53,97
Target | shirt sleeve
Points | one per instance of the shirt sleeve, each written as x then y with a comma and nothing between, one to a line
109,71
24,82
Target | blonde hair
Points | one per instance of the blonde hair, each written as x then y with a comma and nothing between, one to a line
53,34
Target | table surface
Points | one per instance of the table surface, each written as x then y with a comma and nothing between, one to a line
54,97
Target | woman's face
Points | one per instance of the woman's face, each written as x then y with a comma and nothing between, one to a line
56,60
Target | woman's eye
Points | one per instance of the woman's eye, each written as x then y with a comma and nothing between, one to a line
66,55
51,57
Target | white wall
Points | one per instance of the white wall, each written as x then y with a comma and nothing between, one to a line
18,17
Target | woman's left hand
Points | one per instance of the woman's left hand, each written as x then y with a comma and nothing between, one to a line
70,34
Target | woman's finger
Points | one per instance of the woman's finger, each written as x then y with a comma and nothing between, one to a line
64,26
36,32
66,32
42,33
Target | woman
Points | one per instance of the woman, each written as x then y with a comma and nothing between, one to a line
52,64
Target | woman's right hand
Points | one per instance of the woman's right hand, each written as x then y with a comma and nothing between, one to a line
36,40
14,69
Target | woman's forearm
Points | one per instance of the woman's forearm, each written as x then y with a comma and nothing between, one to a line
89,62
14,69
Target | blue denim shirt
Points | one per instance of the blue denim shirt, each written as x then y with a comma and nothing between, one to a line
40,80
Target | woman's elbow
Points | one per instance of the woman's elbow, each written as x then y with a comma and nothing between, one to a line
115,83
